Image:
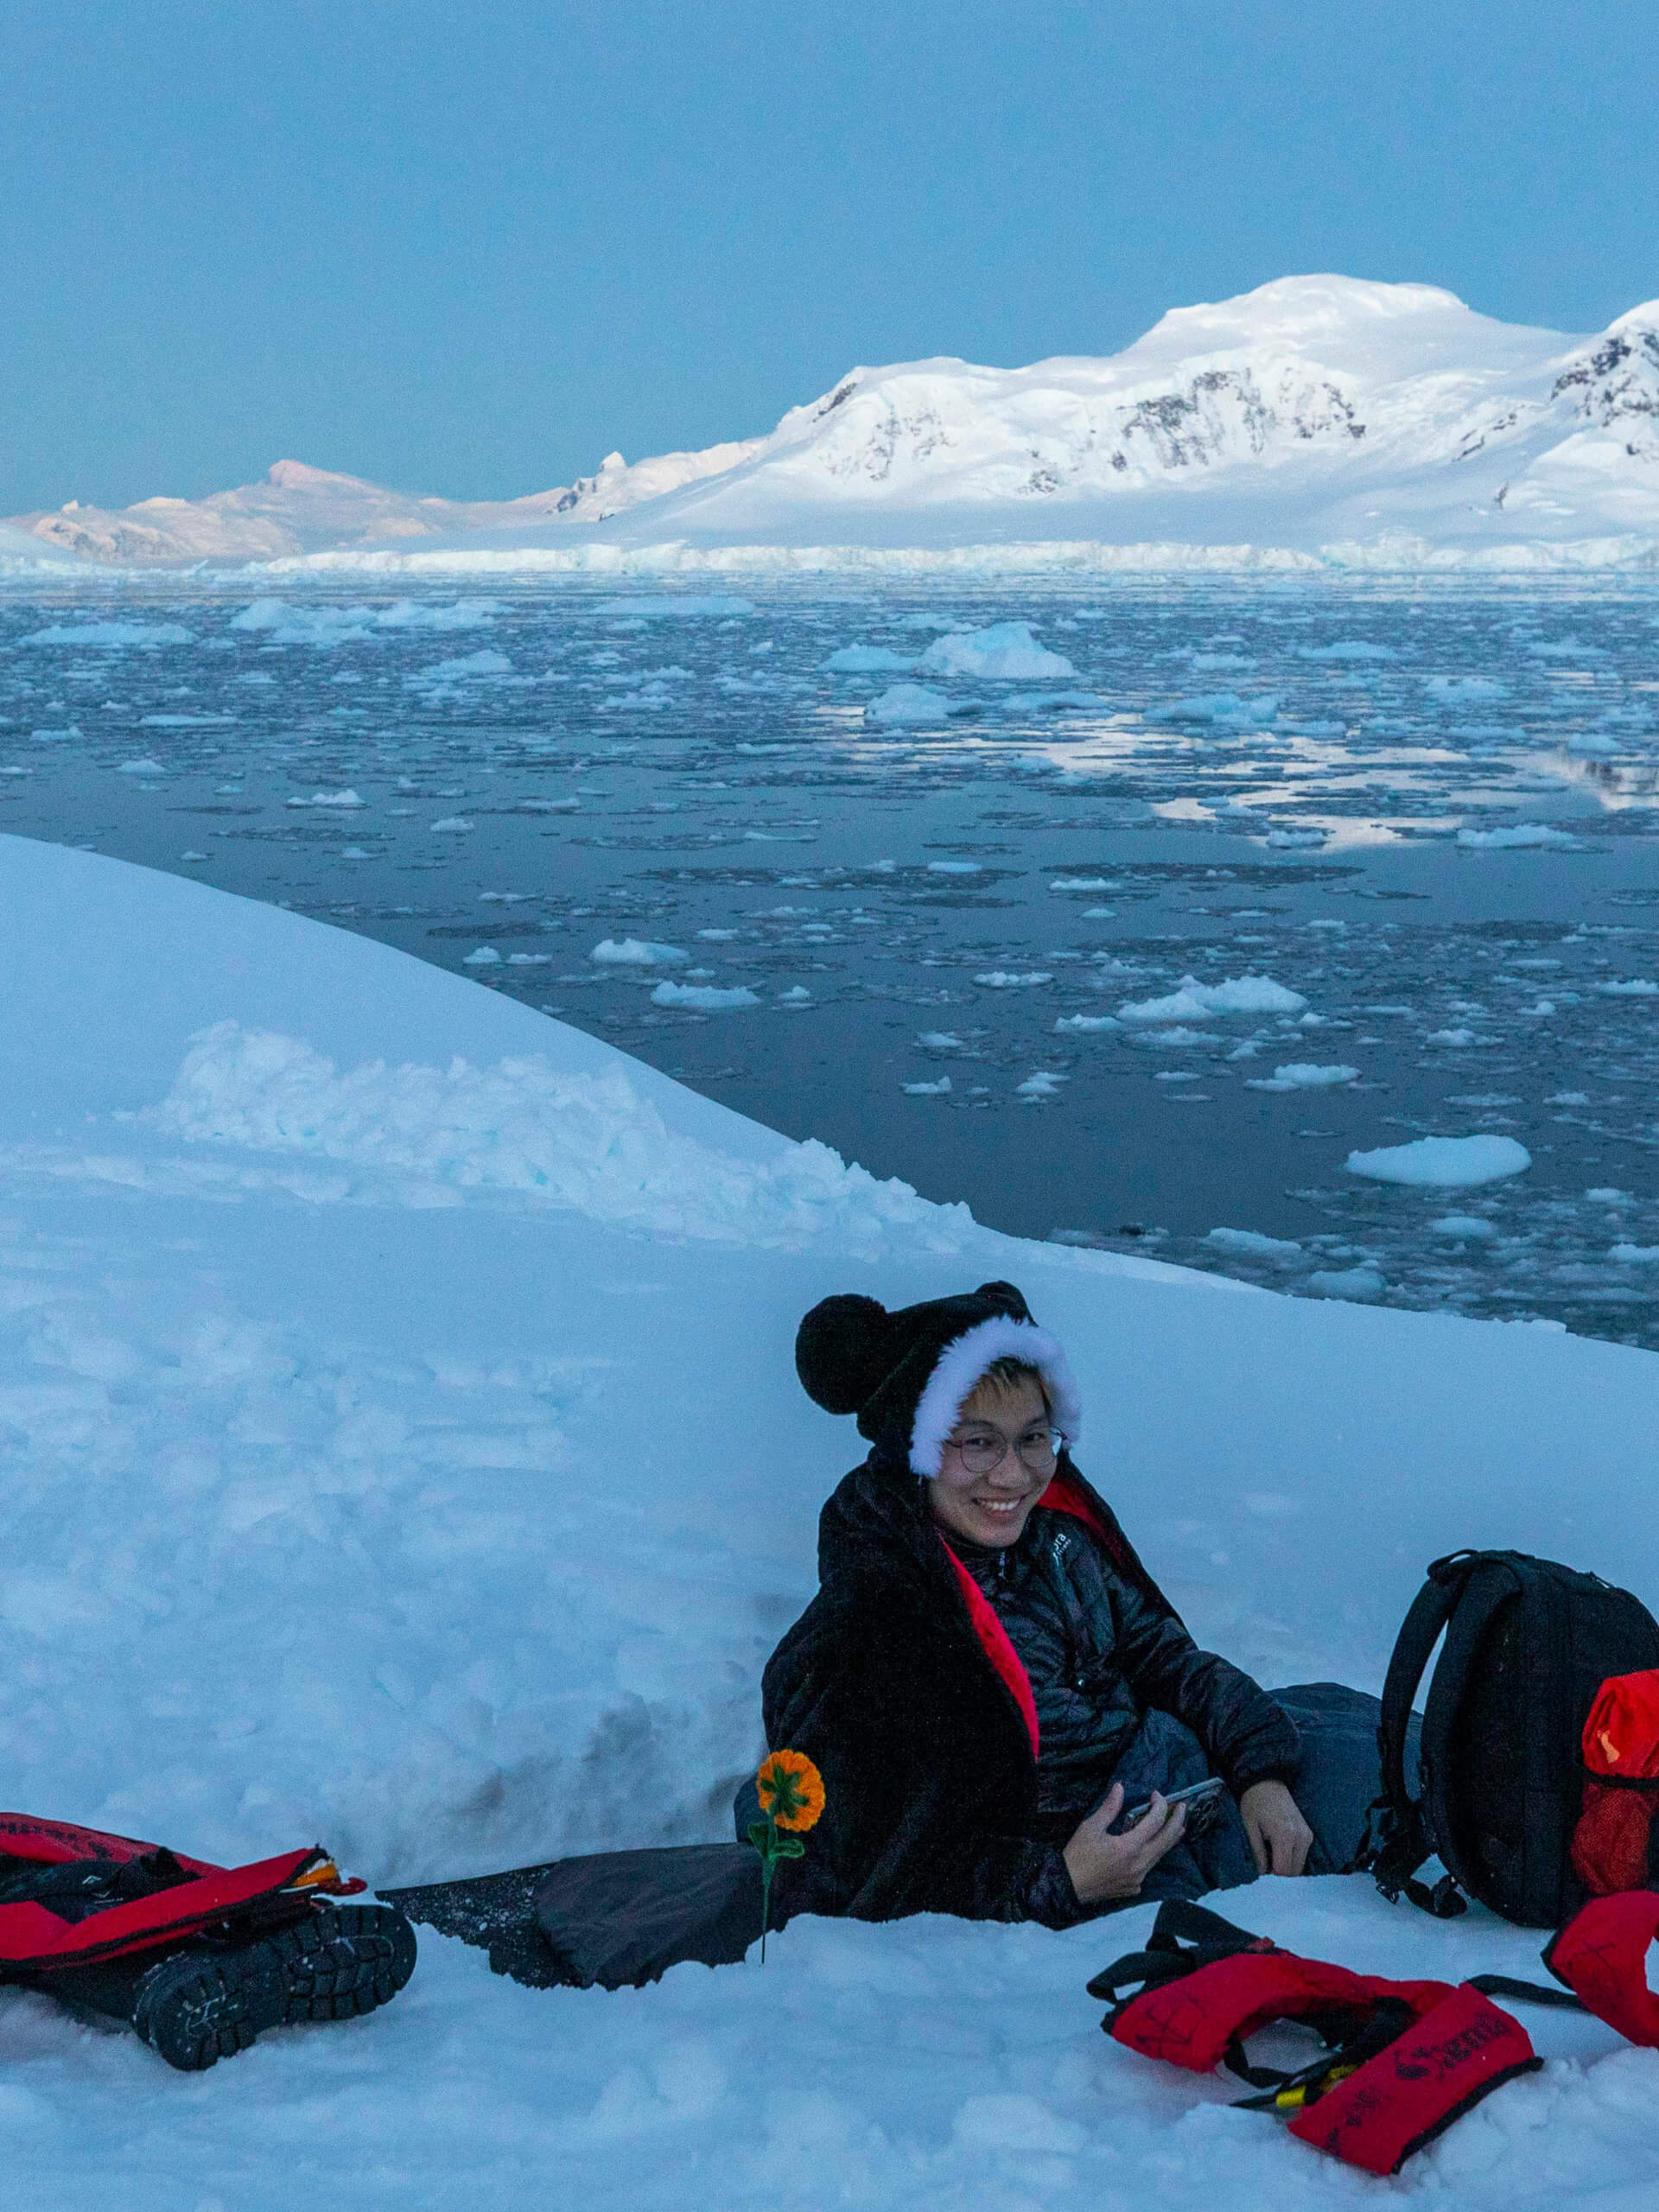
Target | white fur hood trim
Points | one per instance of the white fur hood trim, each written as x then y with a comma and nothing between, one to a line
961,1365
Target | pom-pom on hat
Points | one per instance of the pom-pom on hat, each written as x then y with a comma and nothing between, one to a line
906,1374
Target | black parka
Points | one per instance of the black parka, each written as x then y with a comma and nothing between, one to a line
929,1775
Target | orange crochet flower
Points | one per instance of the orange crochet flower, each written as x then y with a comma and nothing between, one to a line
791,1789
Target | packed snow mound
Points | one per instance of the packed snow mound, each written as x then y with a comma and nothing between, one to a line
587,1143
1319,420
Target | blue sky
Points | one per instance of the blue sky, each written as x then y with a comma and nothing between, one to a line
470,248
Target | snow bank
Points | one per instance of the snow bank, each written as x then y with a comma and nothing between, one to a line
587,1142
1443,1163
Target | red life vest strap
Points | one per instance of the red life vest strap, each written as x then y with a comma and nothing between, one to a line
1602,1956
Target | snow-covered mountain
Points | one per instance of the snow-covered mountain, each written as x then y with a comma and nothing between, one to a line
297,510
1321,416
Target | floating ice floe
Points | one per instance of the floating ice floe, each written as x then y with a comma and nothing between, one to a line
1469,1226
1085,1025
144,767
1192,999
637,952
911,706
1360,1284
278,622
1053,703
110,636
1224,708
1041,1085
1348,649
484,957
1302,1075
1012,979
1640,1255
1636,987
1443,1163
656,607
928,1090
1004,651
464,668
1455,690
332,798
866,660
1250,1244
1516,836
704,998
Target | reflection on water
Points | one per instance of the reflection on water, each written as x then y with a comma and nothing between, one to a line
1428,814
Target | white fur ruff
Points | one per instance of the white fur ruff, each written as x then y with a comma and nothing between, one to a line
960,1366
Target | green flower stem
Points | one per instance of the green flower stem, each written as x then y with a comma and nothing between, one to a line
772,1846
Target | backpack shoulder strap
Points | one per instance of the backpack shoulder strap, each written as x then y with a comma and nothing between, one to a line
1399,1840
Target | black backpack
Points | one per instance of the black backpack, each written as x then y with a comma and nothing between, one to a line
1528,1645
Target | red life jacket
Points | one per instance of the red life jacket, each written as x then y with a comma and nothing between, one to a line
1404,2059
34,1939
1602,1956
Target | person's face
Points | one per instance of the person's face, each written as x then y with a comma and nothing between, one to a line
993,1509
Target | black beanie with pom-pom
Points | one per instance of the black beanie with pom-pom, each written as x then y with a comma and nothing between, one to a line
906,1374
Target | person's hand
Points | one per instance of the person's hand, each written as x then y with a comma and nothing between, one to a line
1101,1864
1279,1838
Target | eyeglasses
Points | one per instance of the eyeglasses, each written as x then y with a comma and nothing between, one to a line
1036,1451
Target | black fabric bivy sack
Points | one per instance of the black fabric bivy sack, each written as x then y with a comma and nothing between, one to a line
610,1919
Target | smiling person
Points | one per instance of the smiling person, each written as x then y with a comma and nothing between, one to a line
988,1679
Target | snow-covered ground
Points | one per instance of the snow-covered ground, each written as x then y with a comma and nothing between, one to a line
1315,422
403,1449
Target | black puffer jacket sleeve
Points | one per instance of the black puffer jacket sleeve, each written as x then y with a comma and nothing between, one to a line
1247,1737
923,1786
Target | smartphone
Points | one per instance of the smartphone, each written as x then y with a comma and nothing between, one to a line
1201,1799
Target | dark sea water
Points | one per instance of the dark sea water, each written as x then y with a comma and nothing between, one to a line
1428,813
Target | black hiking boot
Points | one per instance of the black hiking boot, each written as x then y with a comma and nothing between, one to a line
200,2005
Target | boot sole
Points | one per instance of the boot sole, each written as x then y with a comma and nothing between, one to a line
337,1964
